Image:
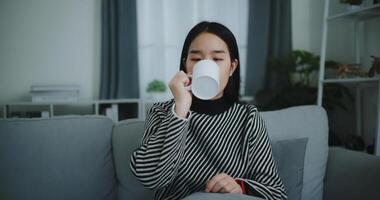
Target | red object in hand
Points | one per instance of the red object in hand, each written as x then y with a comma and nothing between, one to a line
241,183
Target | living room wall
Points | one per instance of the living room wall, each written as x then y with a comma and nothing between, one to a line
49,42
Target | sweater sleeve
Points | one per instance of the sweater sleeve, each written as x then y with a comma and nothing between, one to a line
155,162
262,176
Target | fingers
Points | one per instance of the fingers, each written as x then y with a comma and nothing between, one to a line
223,183
180,79
183,77
213,181
182,97
220,186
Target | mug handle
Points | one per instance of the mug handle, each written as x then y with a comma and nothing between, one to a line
188,88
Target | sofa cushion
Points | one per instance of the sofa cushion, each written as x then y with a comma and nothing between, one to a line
126,138
56,158
289,156
219,196
352,175
298,122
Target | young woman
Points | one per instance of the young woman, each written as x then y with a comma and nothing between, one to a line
218,145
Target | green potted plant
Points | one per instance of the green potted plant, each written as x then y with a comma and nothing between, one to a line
305,69
156,89
301,66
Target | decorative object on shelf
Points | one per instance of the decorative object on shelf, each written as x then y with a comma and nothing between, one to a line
156,89
375,66
354,142
345,70
112,112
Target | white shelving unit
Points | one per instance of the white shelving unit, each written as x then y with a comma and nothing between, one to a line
355,16
125,109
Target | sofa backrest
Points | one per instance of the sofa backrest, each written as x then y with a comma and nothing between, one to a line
291,123
300,122
126,138
56,158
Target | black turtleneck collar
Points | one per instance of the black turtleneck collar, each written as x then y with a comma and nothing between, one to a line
210,107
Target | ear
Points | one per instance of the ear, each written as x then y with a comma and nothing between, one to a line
234,65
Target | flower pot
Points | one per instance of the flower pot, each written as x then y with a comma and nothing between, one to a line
296,77
303,79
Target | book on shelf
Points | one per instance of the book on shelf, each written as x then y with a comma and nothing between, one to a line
45,114
113,112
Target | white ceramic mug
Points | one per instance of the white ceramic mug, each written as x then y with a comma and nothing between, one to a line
205,79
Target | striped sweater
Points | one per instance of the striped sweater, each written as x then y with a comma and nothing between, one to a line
178,156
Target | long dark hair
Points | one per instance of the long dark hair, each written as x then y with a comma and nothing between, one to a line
231,91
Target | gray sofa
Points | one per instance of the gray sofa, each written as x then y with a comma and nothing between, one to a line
87,157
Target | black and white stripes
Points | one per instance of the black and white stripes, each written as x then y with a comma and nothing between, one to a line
178,156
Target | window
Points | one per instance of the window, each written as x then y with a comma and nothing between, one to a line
164,24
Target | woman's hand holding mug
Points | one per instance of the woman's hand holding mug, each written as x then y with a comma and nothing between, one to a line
182,97
204,85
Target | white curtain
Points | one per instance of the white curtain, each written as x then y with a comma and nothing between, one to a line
164,24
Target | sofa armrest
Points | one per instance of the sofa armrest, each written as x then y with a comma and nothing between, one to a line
351,175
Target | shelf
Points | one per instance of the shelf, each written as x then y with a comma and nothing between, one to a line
27,111
354,17
126,111
118,109
28,103
121,110
360,14
73,109
351,80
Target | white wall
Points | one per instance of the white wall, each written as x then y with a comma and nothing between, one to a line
300,24
49,42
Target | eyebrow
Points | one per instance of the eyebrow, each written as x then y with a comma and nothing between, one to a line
198,51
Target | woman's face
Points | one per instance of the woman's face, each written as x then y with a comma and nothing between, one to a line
207,46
